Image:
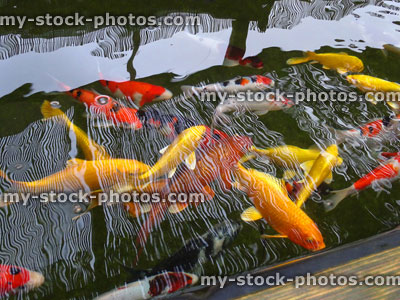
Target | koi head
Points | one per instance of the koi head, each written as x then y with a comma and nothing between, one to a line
308,236
166,283
14,277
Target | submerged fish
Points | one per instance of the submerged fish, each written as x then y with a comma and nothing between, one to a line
234,57
273,204
195,251
113,111
379,130
140,93
370,84
231,104
91,150
392,48
216,163
149,287
82,175
182,148
341,62
320,170
389,171
288,156
235,85
14,279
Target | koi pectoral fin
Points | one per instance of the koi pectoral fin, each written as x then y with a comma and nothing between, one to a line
251,214
268,236
177,207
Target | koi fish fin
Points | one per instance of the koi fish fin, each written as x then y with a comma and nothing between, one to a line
190,161
289,174
389,154
177,207
251,214
306,166
171,172
74,162
268,236
338,196
188,90
261,112
4,175
372,99
394,106
208,192
325,67
239,187
247,157
93,203
299,60
342,70
163,150
329,178
135,210
226,180
339,135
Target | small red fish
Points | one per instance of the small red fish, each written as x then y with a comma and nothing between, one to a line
140,93
111,109
234,57
13,278
375,129
389,171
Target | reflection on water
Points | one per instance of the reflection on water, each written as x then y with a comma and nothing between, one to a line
83,258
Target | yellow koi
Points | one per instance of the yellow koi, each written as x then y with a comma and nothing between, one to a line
272,203
91,150
341,62
321,170
182,147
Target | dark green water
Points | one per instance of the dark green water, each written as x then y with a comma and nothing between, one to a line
81,259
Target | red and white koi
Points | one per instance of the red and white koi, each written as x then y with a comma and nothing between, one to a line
232,86
149,287
14,278
380,129
140,93
389,171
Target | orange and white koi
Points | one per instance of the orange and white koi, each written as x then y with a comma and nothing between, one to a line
102,104
379,129
389,171
140,93
14,279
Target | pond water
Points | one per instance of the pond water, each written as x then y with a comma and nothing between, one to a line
86,257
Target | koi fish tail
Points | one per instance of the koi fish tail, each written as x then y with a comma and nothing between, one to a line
188,90
299,60
338,196
339,135
156,216
4,175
